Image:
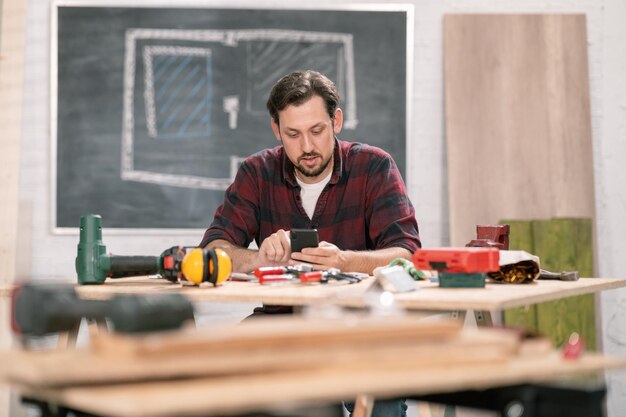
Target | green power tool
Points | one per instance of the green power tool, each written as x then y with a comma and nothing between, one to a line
39,308
197,265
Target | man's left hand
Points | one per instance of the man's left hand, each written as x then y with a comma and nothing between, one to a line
325,256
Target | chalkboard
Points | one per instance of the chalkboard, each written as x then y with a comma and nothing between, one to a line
154,108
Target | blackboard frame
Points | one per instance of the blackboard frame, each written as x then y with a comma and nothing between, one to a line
405,9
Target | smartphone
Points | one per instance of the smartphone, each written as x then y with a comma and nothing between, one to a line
304,238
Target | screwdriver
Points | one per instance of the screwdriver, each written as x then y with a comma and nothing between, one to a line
271,278
313,276
277,270
304,273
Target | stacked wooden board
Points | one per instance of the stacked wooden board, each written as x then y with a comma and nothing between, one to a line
266,364
261,346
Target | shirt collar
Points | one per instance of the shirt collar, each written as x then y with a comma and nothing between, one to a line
290,176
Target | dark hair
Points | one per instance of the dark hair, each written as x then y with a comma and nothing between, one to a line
300,86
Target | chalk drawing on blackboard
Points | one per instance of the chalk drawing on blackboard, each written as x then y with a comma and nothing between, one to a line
177,81
231,106
179,94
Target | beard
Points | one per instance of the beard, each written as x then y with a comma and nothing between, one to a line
312,172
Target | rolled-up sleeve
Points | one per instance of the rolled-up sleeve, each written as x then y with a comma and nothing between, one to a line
236,220
390,214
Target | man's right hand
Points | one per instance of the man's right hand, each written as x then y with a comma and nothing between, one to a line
275,249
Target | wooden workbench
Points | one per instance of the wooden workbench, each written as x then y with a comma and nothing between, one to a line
429,297
223,395
493,297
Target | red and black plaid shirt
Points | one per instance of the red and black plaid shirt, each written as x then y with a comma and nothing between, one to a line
363,206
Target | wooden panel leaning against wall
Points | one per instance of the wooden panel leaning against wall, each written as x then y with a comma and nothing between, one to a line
12,42
518,126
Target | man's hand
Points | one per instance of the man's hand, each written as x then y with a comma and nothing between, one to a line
325,256
275,249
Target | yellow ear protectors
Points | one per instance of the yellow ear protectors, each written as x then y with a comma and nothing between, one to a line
206,265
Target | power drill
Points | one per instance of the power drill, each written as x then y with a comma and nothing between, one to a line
38,309
194,264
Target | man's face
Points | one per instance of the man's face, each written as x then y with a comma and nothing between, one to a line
308,136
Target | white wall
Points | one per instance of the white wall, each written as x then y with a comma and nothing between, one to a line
53,256
609,153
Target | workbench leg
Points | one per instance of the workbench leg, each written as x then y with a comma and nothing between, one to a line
458,315
426,409
68,339
449,411
47,409
483,318
363,406
97,326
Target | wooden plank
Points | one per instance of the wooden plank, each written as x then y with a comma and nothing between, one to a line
496,297
280,333
429,297
12,47
518,123
284,293
5,290
85,366
12,41
565,245
265,345
562,244
254,392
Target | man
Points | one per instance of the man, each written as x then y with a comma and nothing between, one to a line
351,193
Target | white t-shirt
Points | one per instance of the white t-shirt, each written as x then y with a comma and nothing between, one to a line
309,193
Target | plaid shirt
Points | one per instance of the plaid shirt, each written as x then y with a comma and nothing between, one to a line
363,206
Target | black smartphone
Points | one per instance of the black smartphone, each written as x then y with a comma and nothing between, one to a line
304,238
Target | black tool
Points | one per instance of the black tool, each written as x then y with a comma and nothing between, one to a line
562,276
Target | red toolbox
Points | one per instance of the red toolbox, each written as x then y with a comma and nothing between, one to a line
458,260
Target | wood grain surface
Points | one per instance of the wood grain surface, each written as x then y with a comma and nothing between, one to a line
430,296
271,391
494,297
518,121
264,346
